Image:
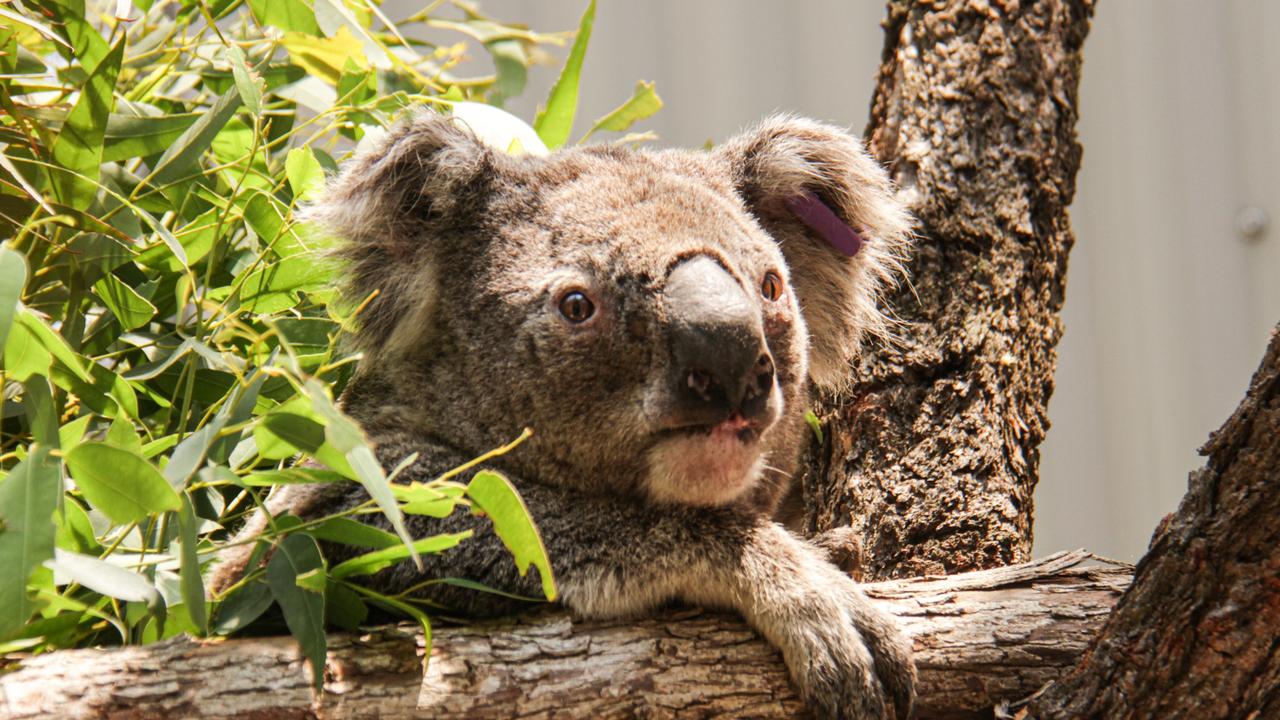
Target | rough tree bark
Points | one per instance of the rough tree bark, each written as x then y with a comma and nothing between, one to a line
981,638
1198,634
933,454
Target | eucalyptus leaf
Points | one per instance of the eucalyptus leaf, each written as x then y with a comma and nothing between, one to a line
497,497
555,121
28,497
103,577
120,483
303,609
13,277
78,147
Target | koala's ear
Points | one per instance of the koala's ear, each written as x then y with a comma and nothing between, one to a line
787,164
428,178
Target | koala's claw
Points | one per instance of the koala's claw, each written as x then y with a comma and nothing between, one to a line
860,681
848,659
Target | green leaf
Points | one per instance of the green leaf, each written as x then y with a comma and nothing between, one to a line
644,103
250,88
497,497
306,177
555,122
120,483
41,413
292,476
281,435
28,497
313,580
266,216
242,607
189,455
511,65
13,277
131,136
183,157
324,57
70,434
102,577
814,424
24,355
189,565
74,530
343,607
351,532
123,435
345,437
276,287
289,15
78,147
423,499
303,609
28,337
131,309
371,562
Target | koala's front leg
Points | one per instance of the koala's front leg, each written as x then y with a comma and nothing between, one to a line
615,557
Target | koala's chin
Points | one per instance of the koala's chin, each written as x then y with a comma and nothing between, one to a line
715,464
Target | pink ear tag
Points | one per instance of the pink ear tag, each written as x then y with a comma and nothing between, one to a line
811,211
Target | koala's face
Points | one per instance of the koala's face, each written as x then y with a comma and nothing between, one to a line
648,315
653,320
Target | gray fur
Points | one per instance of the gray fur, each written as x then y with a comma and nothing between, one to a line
461,253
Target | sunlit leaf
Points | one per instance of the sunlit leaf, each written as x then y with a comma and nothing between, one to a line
644,102
555,121
499,500
101,576
130,308
372,562
78,147
288,15
325,57
249,86
306,177
28,496
183,156
13,277
119,483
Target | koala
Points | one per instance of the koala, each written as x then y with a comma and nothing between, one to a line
657,318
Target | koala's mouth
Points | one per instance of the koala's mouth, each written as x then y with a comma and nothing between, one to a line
735,426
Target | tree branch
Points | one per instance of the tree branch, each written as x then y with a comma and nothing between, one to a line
981,638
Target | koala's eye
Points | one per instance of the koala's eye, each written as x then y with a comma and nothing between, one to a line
576,307
771,286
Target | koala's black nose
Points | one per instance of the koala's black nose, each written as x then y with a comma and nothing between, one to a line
721,363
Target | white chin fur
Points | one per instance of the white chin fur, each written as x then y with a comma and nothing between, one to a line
701,469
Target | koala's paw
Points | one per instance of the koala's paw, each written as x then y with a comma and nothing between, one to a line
842,547
848,660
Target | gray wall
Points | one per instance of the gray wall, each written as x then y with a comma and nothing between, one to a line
1168,304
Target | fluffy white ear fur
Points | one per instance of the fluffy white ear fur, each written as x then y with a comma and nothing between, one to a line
783,158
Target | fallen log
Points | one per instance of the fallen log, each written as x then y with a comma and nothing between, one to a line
981,639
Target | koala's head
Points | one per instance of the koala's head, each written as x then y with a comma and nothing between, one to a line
654,317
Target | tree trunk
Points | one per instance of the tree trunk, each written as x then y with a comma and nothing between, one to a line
933,454
980,639
1198,634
